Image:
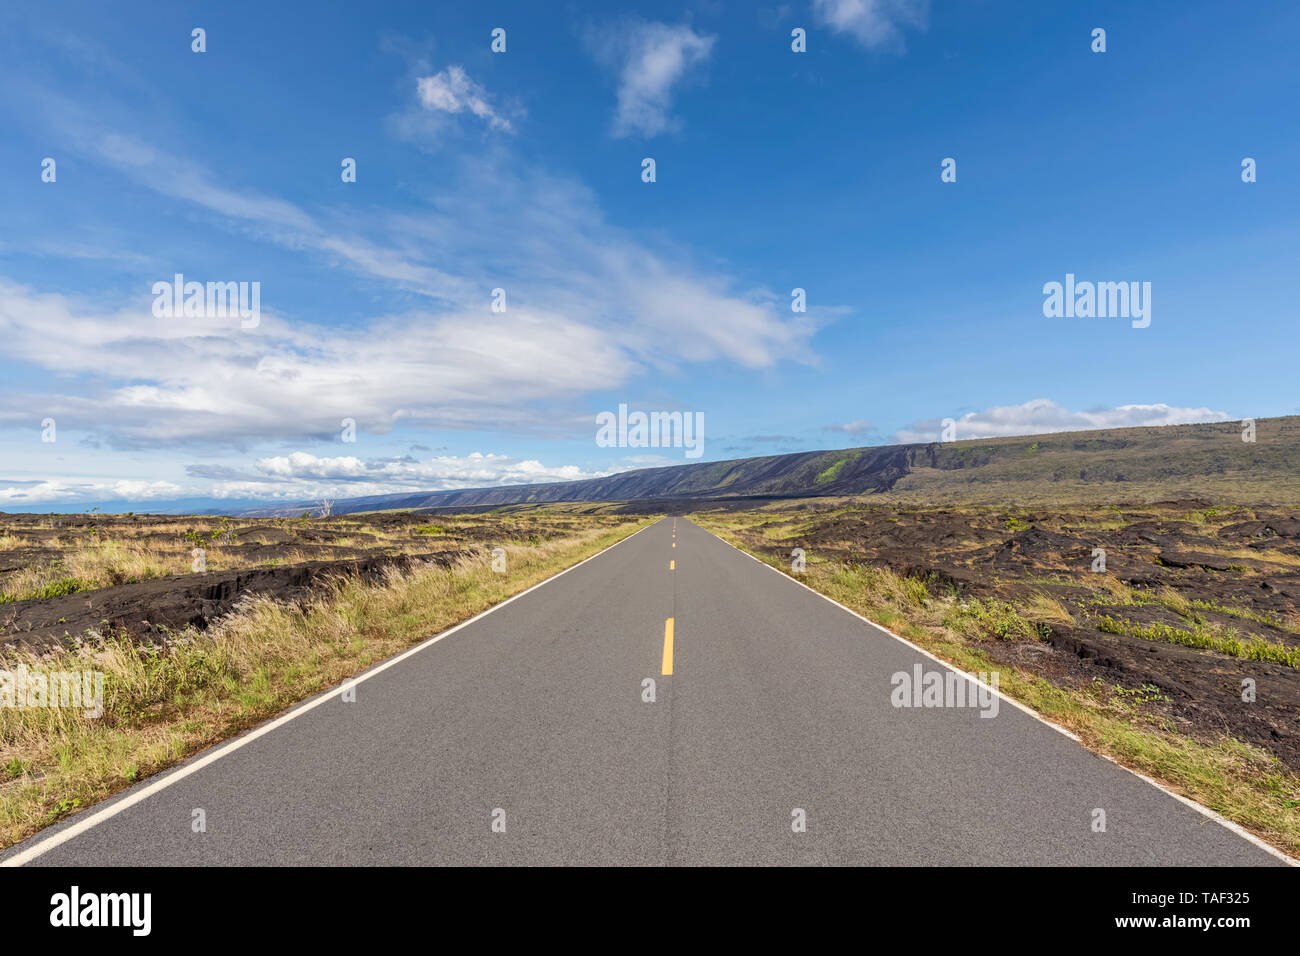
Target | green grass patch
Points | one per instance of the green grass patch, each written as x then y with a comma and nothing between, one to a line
60,588
833,472
1202,637
995,619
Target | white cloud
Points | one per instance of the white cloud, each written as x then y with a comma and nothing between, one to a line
651,59
469,471
852,428
590,308
136,489
57,490
204,380
873,23
1041,416
452,91
303,476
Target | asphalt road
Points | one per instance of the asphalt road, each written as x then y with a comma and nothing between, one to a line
524,738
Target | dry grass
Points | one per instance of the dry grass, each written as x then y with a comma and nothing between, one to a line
164,703
1174,601
110,553
1045,609
1260,554
1115,590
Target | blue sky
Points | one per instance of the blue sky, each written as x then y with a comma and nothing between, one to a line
521,170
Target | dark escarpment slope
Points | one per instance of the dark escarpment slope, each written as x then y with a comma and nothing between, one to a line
1129,463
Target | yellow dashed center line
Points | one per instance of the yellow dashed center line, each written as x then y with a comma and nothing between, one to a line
668,648
668,624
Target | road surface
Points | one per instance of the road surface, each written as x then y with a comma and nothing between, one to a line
525,738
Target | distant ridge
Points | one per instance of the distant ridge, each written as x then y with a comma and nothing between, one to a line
1126,463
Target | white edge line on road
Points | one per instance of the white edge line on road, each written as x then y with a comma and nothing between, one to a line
1187,801
92,819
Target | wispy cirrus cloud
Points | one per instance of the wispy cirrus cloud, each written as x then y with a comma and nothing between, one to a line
652,60
592,306
263,217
